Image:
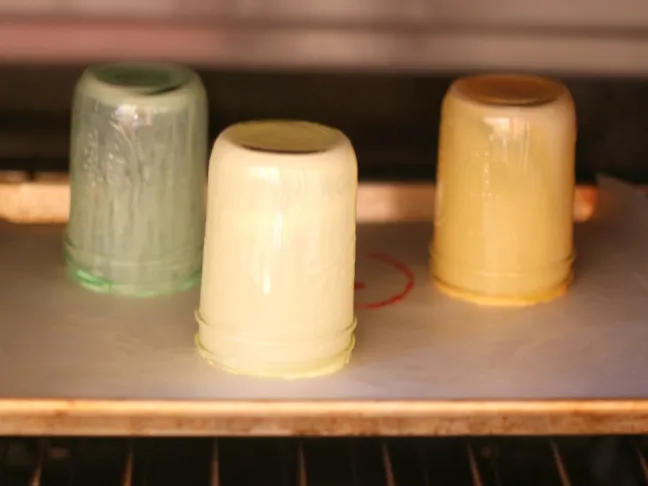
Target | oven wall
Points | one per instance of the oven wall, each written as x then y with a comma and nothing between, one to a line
377,69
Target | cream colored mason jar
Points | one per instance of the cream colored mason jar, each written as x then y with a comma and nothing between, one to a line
278,272
505,190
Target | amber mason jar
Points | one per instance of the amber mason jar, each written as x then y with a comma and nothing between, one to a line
505,187
277,286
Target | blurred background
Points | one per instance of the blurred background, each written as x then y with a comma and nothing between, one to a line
377,69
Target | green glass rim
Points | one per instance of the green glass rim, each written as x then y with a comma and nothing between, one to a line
142,78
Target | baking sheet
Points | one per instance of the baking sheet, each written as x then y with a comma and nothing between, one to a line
58,340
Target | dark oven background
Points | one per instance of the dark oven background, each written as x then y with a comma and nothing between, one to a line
392,119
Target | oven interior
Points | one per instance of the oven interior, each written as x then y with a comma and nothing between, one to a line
392,118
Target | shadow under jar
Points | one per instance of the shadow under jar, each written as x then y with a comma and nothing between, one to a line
505,186
138,173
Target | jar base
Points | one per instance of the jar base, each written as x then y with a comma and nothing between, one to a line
89,281
314,370
503,300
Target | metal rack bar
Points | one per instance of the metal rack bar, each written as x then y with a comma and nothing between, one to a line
571,461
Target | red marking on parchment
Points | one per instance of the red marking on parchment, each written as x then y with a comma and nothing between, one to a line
358,285
403,269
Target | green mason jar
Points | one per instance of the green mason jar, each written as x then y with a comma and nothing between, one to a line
138,156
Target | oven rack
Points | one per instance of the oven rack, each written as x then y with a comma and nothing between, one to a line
495,461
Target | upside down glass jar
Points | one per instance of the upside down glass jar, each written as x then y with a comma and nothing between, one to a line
505,189
278,273
137,179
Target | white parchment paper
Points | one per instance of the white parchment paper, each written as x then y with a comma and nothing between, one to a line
58,340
